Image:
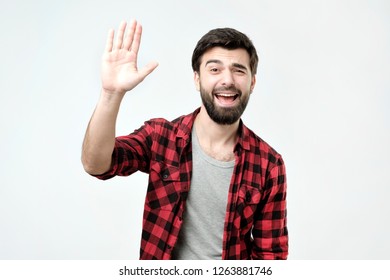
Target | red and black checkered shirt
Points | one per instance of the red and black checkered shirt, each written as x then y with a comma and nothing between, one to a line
255,227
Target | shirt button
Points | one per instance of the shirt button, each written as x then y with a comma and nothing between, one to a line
165,176
169,247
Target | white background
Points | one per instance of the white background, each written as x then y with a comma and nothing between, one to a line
321,100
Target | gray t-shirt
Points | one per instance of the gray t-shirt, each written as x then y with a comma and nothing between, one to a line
204,217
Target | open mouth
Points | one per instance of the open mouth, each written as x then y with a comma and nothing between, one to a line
226,98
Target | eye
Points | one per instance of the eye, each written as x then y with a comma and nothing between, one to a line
214,70
240,71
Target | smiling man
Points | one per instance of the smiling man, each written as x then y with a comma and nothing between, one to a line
216,190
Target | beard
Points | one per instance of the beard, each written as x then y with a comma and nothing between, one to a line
224,115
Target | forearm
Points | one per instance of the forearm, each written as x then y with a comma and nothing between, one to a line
99,140
120,74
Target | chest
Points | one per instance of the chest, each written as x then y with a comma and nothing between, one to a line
220,154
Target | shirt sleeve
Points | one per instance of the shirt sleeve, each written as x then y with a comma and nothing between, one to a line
270,226
131,153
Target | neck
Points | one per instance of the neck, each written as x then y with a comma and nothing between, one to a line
211,134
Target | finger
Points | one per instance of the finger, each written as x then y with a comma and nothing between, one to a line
110,40
130,35
137,38
119,38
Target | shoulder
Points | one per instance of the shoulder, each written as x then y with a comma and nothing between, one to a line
182,125
258,146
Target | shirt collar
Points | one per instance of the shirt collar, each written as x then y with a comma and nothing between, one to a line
243,136
185,128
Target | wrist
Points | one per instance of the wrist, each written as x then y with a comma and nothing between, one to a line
114,93
111,97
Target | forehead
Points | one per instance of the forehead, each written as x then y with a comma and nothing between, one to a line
225,56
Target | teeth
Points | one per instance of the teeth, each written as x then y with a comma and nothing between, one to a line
226,95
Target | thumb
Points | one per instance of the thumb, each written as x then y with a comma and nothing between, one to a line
148,68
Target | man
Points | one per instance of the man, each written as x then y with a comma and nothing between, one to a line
216,190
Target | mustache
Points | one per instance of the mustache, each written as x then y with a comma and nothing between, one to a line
231,88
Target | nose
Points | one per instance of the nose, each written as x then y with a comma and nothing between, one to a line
227,78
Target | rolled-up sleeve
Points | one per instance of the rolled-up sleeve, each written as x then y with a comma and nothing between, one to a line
131,153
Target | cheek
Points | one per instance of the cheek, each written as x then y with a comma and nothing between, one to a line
243,86
208,84
248,85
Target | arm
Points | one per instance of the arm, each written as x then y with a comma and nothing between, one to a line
119,75
270,226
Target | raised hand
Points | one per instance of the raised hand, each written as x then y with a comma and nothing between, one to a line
120,72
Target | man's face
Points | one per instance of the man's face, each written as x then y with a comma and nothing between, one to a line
225,83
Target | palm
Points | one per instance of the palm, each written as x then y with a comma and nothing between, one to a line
119,71
119,62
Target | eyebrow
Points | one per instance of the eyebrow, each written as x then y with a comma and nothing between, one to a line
240,66
213,61
236,65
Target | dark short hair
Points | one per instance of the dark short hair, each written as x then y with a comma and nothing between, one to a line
227,38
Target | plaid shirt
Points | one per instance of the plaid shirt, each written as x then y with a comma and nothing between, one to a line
255,225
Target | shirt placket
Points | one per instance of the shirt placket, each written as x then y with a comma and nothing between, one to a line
232,202
185,167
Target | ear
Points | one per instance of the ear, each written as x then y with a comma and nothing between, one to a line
253,82
196,80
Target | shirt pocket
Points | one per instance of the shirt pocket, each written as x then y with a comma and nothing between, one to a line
248,199
164,186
